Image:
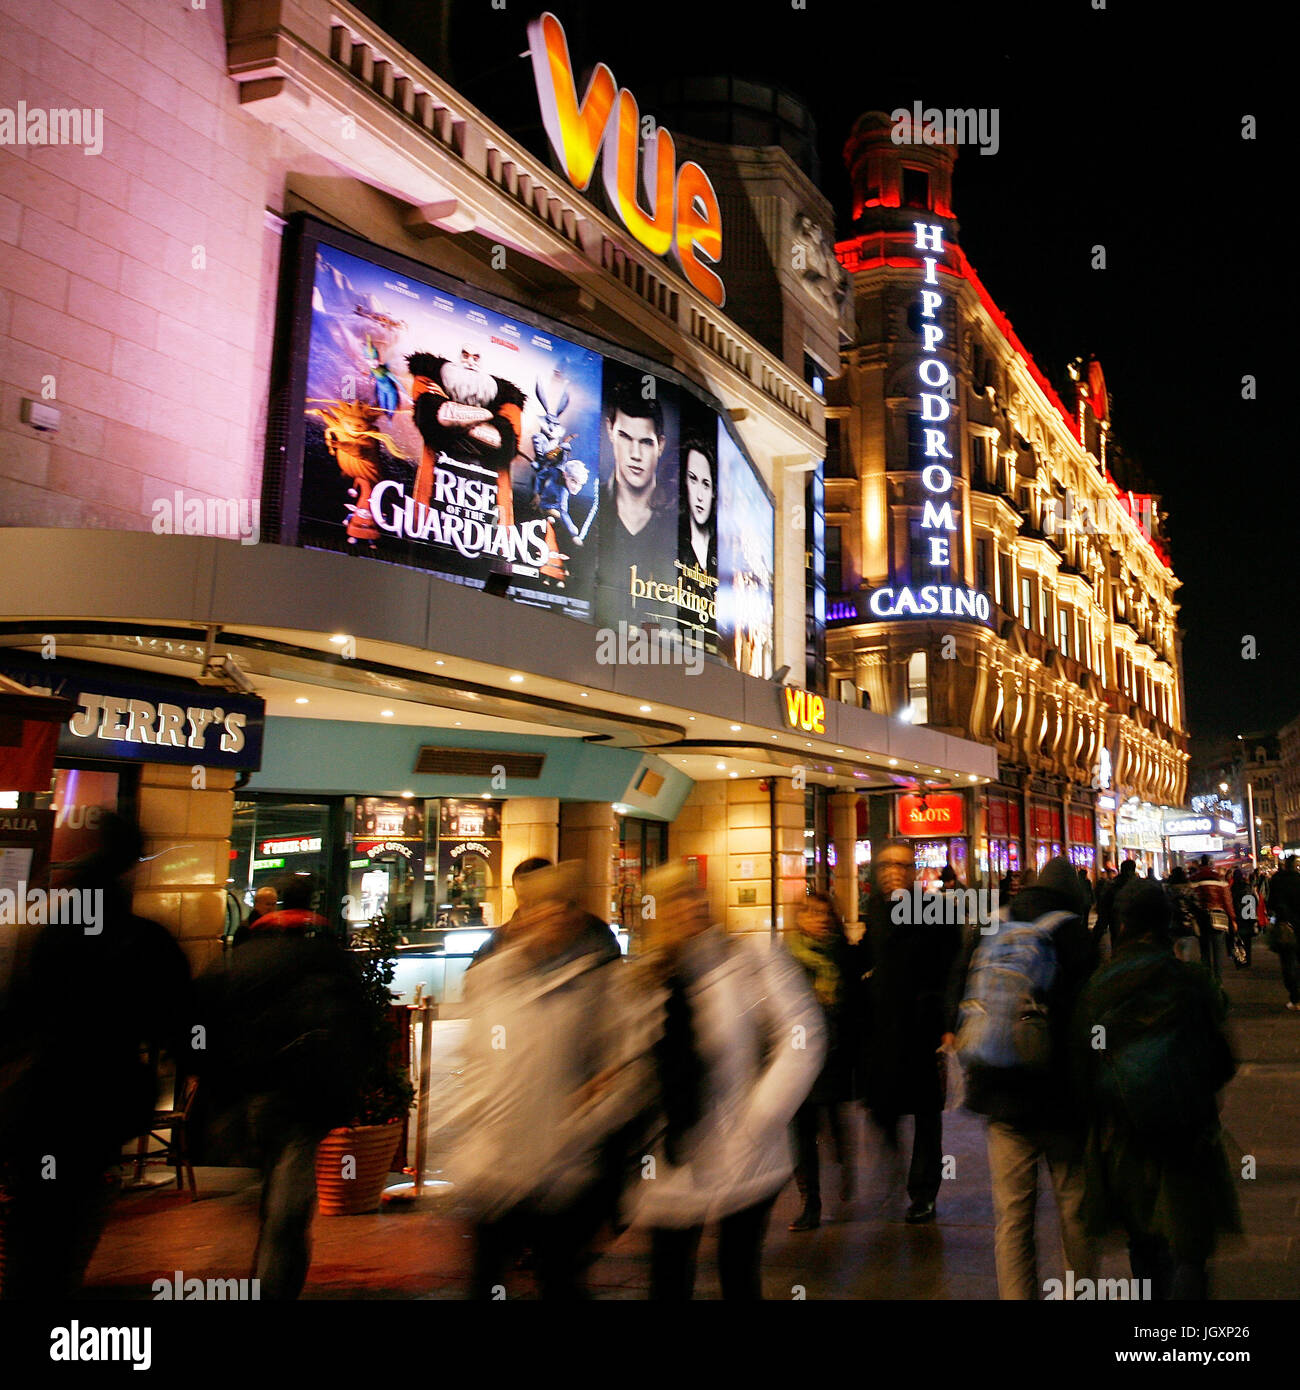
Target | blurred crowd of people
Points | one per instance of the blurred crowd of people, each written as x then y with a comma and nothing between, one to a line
684,1087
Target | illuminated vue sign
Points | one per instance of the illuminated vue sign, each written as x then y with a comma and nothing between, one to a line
437,427
680,215
938,523
803,710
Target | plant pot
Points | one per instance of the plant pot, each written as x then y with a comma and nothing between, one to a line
349,1188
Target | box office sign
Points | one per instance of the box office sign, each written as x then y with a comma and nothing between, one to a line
926,816
124,716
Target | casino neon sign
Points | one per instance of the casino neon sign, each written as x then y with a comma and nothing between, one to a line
938,599
681,216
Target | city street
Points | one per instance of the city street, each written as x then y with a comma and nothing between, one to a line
861,1251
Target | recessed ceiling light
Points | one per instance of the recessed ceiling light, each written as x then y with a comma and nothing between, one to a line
691,717
302,700
386,713
735,728
457,724
807,745
973,778
722,767
516,679
645,709
839,750
893,762
440,662
936,769
339,638
582,694
487,796
735,774
408,795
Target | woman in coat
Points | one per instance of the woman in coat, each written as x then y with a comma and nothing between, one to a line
743,1042
819,945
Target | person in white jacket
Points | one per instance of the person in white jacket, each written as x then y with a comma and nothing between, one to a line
555,1062
742,1043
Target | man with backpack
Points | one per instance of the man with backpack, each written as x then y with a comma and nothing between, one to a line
1150,1055
1013,1041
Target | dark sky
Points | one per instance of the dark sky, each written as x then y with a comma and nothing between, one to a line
1120,127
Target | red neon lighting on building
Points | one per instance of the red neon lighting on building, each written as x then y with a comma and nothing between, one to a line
872,251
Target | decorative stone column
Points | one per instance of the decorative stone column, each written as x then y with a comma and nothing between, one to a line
182,881
530,829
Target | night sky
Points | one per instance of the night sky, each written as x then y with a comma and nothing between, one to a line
1120,127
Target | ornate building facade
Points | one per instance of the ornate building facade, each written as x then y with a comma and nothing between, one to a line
994,579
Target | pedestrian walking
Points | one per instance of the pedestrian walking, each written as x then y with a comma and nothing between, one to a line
1151,1054
1215,900
285,1046
72,1093
1034,967
1106,895
818,943
908,963
555,1063
1283,905
743,1043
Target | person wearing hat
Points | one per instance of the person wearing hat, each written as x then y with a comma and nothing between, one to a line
554,1063
742,1041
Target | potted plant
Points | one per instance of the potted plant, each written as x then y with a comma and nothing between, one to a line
354,1161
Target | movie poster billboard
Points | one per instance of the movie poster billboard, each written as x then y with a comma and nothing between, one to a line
746,564
447,435
443,435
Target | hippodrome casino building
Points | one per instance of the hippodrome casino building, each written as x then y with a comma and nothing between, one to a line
323,524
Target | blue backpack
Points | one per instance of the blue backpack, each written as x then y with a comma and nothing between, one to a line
1003,1019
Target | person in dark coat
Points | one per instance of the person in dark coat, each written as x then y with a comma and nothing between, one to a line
908,964
1168,1186
283,1045
1105,926
819,945
1245,914
1283,901
80,1040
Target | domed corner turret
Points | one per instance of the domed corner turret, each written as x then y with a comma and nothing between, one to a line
900,165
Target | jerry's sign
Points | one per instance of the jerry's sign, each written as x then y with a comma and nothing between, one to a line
681,215
803,710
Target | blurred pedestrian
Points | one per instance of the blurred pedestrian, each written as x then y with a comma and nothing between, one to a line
1245,913
556,1061
78,1082
1283,905
1105,925
909,964
1151,1055
743,1043
818,943
283,1044
1215,900
296,916
1035,967
596,935
265,901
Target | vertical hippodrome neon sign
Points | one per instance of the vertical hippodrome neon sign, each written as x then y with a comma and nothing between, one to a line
936,477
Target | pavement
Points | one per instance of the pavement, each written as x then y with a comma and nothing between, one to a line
863,1249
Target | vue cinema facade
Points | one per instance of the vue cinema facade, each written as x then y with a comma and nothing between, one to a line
365,414
996,581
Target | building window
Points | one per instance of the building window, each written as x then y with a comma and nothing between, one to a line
834,560
979,458
1026,602
1006,592
1063,630
815,374
918,688
982,549
834,448
916,188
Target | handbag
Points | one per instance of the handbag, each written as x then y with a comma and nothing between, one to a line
1238,952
